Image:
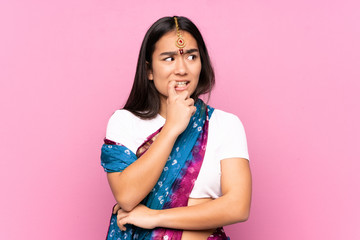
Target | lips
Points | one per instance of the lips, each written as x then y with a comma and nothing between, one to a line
181,85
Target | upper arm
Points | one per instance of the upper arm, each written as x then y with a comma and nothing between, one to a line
119,156
236,183
120,128
234,161
113,179
231,137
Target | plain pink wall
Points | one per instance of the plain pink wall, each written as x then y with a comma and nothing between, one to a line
288,69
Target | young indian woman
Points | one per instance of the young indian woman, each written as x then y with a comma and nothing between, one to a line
178,168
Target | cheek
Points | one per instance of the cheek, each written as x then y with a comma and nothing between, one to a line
161,72
196,72
197,69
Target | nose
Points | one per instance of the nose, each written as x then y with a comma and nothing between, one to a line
180,66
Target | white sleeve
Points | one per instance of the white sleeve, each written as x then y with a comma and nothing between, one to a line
119,127
129,130
233,138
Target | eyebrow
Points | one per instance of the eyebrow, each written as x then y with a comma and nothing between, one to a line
176,52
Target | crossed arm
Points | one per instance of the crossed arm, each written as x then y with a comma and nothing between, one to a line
233,206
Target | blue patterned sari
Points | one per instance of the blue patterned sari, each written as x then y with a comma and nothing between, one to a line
176,180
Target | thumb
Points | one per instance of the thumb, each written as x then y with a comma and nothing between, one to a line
116,208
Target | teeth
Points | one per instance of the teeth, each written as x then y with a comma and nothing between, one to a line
181,83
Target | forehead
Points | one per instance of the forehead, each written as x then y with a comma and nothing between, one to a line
167,42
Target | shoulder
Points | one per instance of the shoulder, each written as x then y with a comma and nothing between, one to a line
224,119
227,127
120,123
121,118
130,130
122,115
229,134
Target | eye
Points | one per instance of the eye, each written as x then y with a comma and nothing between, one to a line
168,59
191,57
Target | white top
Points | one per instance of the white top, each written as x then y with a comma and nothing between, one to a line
226,139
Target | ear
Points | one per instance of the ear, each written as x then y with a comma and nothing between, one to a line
149,72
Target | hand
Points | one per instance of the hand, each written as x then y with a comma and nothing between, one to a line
180,108
140,216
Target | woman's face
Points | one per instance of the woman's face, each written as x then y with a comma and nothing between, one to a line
168,64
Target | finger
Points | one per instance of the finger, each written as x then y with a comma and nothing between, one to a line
121,226
121,214
184,94
171,89
121,223
193,110
189,102
116,208
121,220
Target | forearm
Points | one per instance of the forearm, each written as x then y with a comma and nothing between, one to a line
132,185
212,214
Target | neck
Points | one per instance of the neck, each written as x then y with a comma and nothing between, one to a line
163,106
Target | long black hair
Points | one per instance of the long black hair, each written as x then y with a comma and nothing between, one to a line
144,99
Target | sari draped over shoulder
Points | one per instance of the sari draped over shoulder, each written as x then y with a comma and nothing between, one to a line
176,181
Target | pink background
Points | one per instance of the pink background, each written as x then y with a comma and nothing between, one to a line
288,69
